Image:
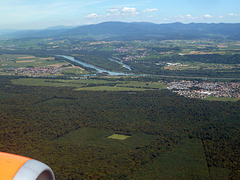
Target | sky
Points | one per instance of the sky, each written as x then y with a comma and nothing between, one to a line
40,14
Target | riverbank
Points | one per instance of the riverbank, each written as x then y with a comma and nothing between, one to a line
99,70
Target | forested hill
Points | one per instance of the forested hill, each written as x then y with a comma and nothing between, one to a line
120,30
137,30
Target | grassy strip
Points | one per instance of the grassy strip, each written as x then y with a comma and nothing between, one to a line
109,88
222,99
91,84
119,137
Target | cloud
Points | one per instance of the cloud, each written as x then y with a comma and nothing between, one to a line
208,16
192,18
122,11
129,10
234,15
93,16
186,17
150,10
113,10
114,13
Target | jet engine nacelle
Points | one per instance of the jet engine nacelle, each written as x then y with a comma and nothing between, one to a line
15,167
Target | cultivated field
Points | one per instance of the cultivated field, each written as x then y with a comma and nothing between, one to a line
27,65
92,84
222,99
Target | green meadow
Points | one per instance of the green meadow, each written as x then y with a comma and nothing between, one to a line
109,88
119,137
222,99
91,84
145,85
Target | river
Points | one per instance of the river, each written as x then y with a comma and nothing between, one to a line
99,70
112,73
124,65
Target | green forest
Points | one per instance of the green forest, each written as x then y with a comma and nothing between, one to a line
170,136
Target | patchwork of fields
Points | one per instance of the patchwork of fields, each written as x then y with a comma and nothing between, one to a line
32,66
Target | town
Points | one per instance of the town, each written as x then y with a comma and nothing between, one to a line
34,71
199,90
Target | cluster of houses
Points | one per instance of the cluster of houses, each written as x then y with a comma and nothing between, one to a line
34,71
131,57
127,58
123,49
6,59
81,49
195,89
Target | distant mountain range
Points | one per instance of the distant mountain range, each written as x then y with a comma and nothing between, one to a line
134,31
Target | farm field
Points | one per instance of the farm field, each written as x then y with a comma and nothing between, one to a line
137,84
199,66
222,99
108,88
16,61
29,65
92,84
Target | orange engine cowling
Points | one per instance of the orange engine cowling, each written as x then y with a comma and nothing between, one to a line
15,167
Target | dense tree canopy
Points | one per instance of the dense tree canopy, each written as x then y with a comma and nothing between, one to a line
32,120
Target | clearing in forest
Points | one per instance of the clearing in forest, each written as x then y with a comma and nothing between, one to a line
100,137
119,136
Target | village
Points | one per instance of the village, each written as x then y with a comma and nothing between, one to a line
199,90
34,71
